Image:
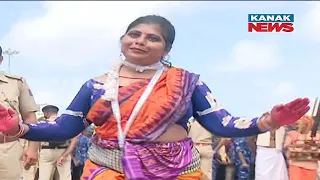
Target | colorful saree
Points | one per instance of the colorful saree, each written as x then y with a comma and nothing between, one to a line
95,172
141,158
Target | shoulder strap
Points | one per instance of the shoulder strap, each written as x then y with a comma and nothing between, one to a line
14,76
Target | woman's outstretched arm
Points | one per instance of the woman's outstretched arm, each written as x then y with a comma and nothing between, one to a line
220,122
68,125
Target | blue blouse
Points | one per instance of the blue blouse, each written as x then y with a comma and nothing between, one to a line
203,107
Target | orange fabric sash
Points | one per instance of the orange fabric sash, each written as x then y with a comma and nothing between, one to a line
174,88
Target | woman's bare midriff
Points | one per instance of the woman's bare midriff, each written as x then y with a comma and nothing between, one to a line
173,134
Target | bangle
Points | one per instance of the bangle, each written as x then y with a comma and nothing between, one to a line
20,133
266,124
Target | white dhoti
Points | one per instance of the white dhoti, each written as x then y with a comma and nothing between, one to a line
270,164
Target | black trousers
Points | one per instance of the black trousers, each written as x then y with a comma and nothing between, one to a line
76,171
221,172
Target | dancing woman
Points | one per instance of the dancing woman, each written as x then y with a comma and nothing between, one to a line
141,109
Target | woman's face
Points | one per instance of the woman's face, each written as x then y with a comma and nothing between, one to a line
143,44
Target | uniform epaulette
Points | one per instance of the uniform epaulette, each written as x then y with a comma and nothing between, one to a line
14,76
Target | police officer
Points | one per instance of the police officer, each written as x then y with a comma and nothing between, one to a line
15,94
55,156
203,142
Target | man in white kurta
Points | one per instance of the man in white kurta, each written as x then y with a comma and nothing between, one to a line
270,162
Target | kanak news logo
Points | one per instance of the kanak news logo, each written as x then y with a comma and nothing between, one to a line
270,23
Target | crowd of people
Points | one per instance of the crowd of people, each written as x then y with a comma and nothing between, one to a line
239,158
141,111
287,153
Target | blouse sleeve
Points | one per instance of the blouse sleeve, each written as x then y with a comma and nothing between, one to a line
69,124
218,120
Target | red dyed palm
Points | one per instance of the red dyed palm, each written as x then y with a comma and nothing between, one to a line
9,120
289,113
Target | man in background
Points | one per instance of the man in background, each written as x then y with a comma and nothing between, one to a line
269,154
15,94
80,154
222,167
55,155
203,142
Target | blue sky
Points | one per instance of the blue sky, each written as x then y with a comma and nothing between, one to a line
63,44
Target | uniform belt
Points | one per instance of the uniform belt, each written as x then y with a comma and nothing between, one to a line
54,147
202,144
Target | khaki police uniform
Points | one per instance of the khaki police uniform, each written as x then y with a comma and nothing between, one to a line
48,162
203,142
29,174
15,94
